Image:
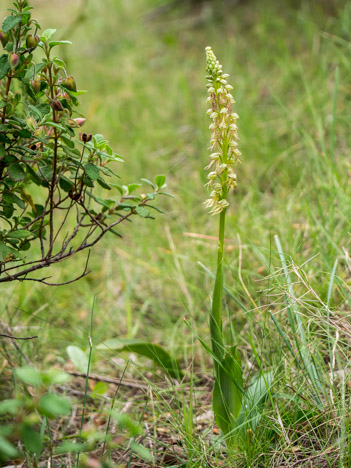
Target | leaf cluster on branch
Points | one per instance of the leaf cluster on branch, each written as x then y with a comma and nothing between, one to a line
55,186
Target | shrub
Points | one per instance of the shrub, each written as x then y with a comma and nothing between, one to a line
54,187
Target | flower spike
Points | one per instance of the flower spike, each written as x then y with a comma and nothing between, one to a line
224,135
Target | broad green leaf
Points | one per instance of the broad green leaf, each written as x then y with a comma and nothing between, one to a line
10,197
10,406
160,181
5,251
43,108
68,142
47,34
78,357
31,440
53,405
24,133
65,183
29,376
34,112
150,350
92,171
100,388
10,22
16,172
46,173
19,234
88,182
4,66
255,398
142,452
227,396
7,450
54,377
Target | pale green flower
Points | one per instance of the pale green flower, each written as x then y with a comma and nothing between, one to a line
224,136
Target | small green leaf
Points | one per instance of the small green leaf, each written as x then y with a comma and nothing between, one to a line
142,452
92,171
32,440
99,140
53,405
16,172
10,406
55,43
69,447
47,34
10,22
54,377
4,66
147,181
18,234
48,123
103,184
5,251
29,376
104,203
126,423
7,450
99,389
78,357
142,211
59,62
132,187
160,181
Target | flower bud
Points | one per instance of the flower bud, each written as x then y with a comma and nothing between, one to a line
31,123
75,123
4,37
14,60
32,41
35,85
69,83
56,105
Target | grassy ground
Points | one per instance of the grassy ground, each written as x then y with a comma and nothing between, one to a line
291,70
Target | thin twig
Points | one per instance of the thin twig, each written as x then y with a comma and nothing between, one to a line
17,337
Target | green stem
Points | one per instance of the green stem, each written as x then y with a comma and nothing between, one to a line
216,311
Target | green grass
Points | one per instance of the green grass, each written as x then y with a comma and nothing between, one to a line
291,70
